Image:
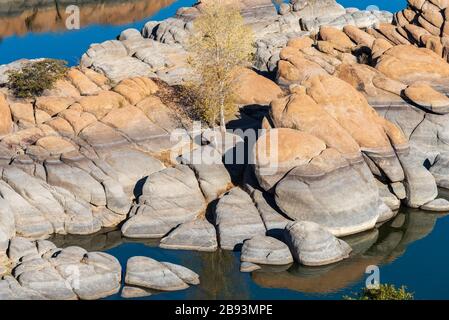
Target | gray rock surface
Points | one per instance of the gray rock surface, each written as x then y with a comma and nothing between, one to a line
42,271
151,274
345,199
266,251
439,205
212,175
237,219
198,235
313,245
187,275
169,197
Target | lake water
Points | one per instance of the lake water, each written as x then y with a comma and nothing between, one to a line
411,250
37,33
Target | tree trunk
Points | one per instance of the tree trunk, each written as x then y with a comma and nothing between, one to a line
222,120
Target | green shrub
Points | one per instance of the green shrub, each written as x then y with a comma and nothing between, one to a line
36,77
385,292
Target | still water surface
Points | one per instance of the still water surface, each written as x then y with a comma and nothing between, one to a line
411,250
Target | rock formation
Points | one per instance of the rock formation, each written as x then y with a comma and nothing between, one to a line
355,124
163,276
41,271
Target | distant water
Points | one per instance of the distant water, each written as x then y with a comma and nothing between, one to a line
411,251
41,33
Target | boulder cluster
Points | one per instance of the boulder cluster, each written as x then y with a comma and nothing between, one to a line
357,109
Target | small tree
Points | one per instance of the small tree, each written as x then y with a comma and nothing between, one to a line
220,43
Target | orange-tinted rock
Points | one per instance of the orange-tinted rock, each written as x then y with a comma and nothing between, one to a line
441,4
5,117
63,88
428,98
410,64
299,111
352,111
85,86
359,36
434,17
418,4
53,105
55,145
428,26
300,43
433,43
280,150
369,81
416,32
340,40
252,88
78,120
24,137
101,104
391,33
159,113
22,111
136,89
98,78
295,68
61,126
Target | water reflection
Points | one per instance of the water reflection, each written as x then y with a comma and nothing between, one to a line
51,15
219,271
378,247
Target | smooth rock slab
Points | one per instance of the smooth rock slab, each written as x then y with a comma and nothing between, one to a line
187,275
148,273
213,177
343,199
198,235
42,271
313,245
266,250
237,219
438,205
170,197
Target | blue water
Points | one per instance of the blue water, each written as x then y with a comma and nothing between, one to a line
70,45
412,252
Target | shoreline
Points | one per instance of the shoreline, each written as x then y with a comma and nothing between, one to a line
96,151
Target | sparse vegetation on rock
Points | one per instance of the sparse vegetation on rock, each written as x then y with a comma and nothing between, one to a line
36,77
385,292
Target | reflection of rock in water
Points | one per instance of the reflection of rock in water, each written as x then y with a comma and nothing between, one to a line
324,279
101,241
220,276
373,248
18,19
